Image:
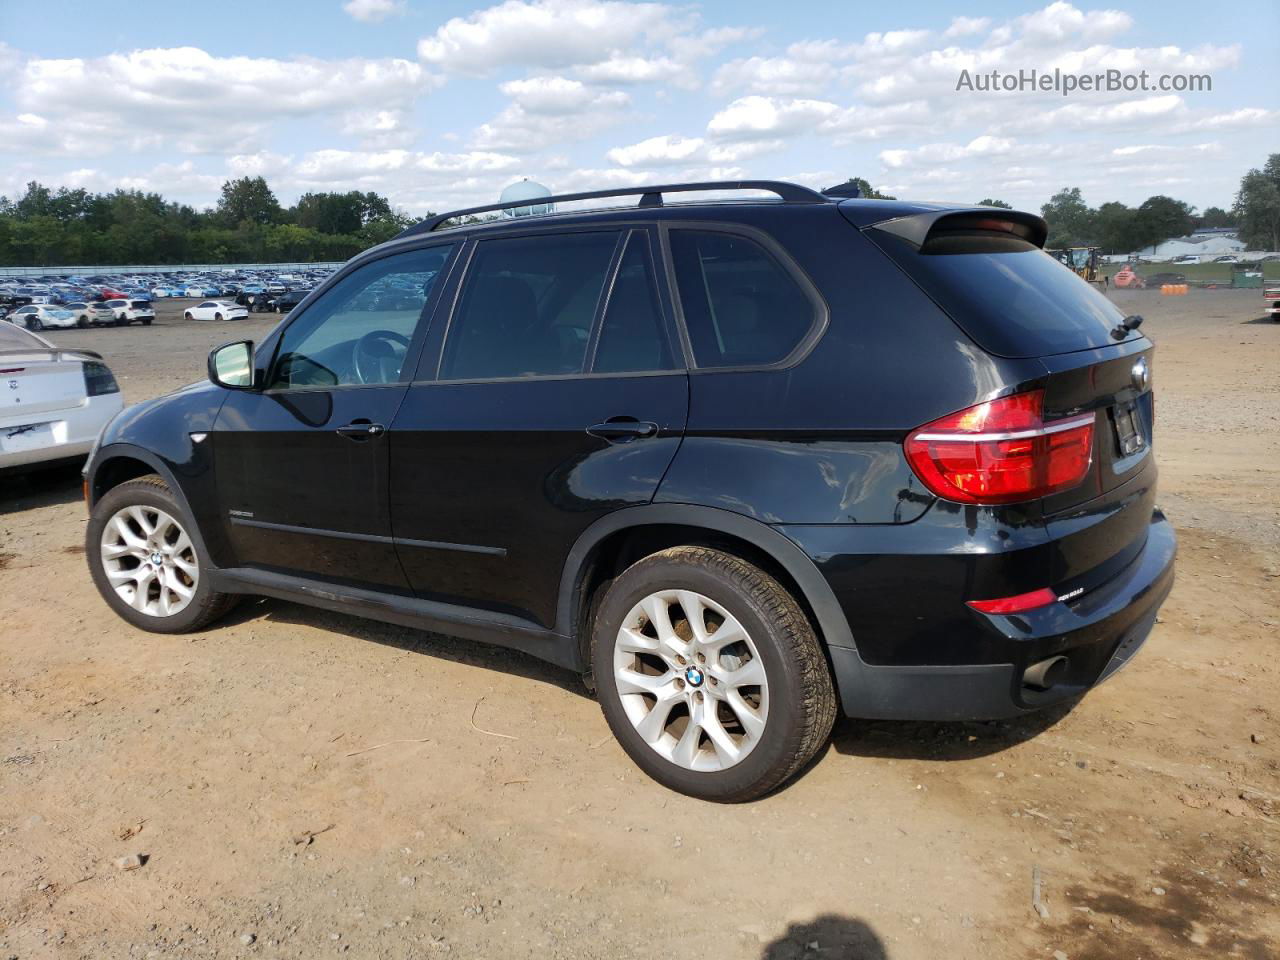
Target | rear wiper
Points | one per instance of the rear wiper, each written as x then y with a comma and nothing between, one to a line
1126,326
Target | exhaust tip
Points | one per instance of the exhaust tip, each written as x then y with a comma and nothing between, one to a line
1045,674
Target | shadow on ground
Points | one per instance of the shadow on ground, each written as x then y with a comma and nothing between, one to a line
959,740
829,935
46,487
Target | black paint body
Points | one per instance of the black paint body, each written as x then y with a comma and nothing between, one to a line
485,506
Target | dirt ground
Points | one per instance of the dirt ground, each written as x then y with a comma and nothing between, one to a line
299,791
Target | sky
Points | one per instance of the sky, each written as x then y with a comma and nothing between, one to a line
439,105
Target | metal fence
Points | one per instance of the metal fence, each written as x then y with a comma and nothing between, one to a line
91,270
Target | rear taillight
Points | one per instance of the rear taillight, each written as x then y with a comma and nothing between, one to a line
98,379
1001,451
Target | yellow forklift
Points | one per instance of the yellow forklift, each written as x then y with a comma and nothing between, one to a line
1083,261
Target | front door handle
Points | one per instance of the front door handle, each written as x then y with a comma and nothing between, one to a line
623,429
361,430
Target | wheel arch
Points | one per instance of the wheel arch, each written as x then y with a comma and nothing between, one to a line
121,462
597,553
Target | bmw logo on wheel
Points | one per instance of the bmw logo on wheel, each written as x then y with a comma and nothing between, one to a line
693,676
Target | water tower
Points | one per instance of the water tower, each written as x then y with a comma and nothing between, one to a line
525,190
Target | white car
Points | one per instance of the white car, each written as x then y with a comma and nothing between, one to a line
37,316
216,310
91,312
53,402
132,311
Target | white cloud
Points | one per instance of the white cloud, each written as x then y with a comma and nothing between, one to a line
946,153
620,69
372,11
1244,117
779,76
545,111
754,117
557,95
205,103
551,34
966,26
656,151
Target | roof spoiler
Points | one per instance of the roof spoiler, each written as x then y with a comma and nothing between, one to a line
918,228
56,354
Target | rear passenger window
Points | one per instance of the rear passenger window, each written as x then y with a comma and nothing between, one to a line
633,336
740,306
527,306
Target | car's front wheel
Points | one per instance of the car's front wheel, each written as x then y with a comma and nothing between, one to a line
145,562
188,316
35,324
710,674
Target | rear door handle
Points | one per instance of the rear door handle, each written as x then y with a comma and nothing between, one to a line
361,430
623,429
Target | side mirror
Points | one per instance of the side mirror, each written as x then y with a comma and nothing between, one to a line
231,365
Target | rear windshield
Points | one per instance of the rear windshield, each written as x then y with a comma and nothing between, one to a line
1008,295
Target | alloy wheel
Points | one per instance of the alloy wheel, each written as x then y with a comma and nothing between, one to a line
691,680
150,560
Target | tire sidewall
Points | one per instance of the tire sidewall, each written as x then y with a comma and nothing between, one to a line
655,574
151,495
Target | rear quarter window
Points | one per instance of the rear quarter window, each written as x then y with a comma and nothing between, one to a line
741,307
1008,295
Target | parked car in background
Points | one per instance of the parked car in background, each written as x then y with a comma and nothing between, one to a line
1160,279
287,301
1271,297
1229,258
54,402
91,313
1186,258
216,310
132,311
38,316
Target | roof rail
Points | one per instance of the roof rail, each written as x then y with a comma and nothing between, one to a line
649,197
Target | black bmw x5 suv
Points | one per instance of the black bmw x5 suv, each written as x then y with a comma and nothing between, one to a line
743,465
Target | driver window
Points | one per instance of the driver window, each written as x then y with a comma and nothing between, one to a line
358,332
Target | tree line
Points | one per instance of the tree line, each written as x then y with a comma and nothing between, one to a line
45,227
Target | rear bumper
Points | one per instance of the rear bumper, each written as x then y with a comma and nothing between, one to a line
73,432
1099,634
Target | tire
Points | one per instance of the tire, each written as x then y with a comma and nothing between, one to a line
159,608
121,322
35,324
146,321
82,321
217,316
187,316
765,731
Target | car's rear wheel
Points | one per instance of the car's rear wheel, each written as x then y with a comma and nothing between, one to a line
710,675
82,321
217,316
146,321
145,562
35,324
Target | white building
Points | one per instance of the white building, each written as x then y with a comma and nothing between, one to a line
1207,242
